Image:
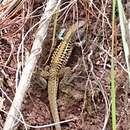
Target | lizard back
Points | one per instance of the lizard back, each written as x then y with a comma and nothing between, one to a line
64,49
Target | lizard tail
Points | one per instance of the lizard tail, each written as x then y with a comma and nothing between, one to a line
52,97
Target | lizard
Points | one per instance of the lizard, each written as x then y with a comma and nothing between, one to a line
58,61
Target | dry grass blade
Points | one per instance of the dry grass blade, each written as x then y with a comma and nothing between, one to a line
125,34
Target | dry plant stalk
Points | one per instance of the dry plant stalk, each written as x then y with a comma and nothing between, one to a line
30,64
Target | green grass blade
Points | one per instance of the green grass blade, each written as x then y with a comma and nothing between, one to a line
113,91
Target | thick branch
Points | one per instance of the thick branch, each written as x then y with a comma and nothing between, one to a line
30,65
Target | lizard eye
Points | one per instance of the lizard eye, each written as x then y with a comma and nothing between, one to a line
61,34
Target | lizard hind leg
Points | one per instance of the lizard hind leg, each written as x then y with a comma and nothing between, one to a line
66,75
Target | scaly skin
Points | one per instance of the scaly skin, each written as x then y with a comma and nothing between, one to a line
58,61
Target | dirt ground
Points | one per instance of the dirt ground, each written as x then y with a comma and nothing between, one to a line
86,95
